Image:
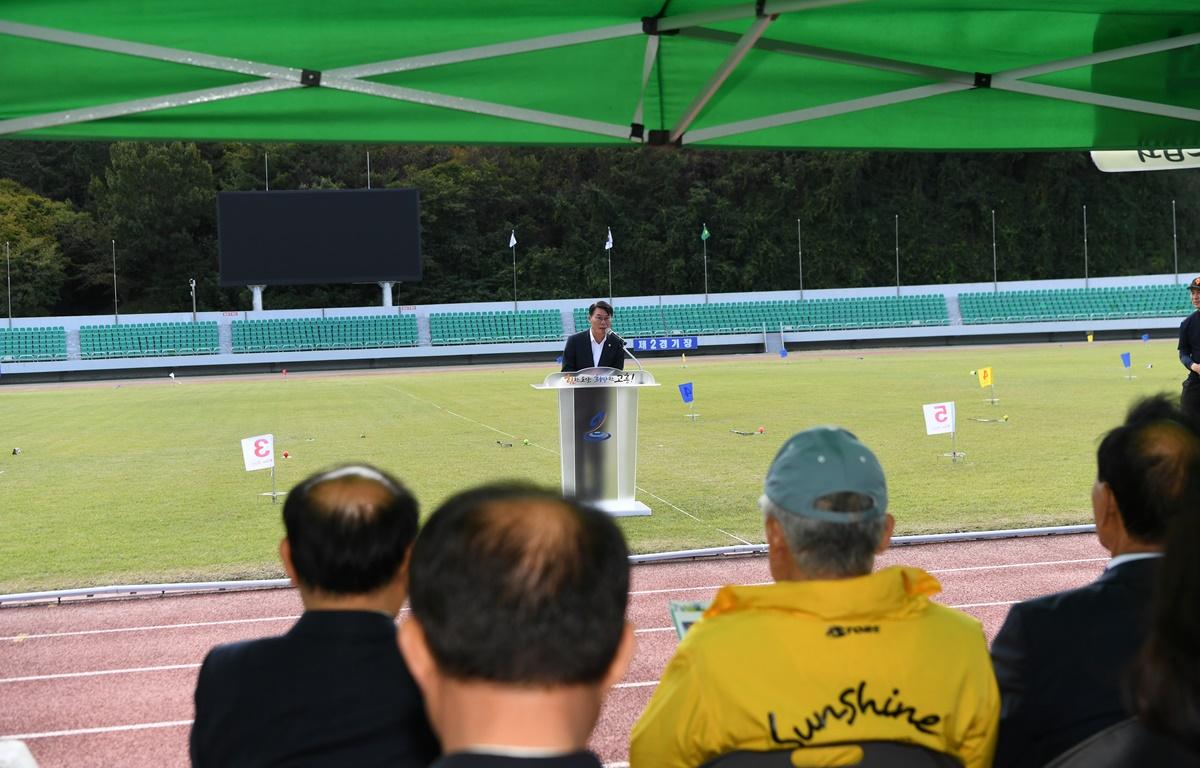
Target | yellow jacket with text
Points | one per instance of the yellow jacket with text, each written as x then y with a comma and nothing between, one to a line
799,664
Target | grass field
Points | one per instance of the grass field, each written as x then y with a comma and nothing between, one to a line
143,481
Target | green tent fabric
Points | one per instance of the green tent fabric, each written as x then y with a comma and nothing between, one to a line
885,74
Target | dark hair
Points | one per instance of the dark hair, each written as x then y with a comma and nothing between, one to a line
1152,465
514,584
1167,671
602,304
349,529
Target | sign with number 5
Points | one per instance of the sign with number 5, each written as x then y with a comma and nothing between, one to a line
939,418
259,452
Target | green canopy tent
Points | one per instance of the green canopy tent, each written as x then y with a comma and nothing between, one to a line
881,74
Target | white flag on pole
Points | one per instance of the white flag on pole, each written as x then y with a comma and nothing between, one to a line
512,239
939,418
258,452
608,242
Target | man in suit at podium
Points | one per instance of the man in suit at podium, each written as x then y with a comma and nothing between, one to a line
596,347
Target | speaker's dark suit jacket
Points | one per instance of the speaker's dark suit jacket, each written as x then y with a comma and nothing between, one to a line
1061,662
333,691
577,355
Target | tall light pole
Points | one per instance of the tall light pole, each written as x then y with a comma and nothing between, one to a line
995,279
266,172
1085,258
8,271
897,254
800,258
1175,242
116,312
368,170
192,285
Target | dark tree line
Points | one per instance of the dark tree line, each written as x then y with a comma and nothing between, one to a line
63,205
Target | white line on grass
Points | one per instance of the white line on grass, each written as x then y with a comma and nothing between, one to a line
105,729
469,420
738,539
98,673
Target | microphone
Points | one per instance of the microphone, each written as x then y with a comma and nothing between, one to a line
625,348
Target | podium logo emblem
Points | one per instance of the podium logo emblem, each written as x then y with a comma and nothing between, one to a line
595,435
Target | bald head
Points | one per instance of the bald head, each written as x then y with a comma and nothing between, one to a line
349,529
513,584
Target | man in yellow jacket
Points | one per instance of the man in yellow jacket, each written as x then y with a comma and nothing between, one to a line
831,653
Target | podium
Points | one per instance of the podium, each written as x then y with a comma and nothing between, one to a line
597,436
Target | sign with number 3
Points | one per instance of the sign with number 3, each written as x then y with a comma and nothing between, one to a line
939,418
259,452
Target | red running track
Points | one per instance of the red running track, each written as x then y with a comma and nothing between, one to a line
109,683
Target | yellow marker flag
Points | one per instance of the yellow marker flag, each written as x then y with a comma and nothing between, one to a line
1089,338
985,377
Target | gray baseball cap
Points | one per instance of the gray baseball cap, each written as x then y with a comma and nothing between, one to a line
822,461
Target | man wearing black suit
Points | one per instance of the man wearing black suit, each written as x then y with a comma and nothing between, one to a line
596,347
334,690
518,626
1061,660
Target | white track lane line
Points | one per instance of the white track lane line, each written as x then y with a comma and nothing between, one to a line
97,673
135,670
105,729
188,625
668,590
635,593
1020,565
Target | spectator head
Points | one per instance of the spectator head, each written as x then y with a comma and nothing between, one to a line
1167,671
349,531
825,503
517,590
1147,472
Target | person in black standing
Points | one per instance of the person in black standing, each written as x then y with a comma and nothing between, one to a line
597,347
1189,354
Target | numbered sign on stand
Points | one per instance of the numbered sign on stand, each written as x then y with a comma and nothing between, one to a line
259,452
939,418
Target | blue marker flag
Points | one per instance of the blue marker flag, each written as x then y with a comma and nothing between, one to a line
685,391
1125,360
558,359
1145,337
783,353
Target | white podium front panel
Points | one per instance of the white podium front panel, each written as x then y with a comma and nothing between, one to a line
597,425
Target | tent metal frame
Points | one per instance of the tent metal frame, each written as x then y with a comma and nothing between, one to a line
692,25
